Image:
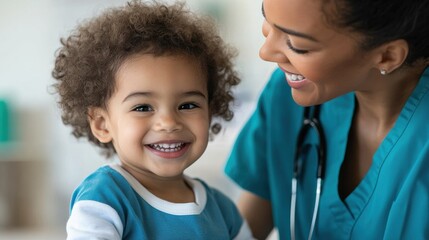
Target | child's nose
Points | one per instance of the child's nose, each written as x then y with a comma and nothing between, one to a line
167,122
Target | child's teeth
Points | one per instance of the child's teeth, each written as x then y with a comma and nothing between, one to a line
167,147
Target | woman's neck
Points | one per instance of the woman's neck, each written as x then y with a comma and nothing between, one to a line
382,106
375,114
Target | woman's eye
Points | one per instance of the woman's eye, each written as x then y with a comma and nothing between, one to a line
143,108
296,50
187,106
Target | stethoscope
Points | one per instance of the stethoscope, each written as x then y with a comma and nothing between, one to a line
311,121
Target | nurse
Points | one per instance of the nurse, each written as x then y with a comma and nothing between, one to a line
366,63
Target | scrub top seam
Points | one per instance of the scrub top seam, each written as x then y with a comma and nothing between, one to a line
397,132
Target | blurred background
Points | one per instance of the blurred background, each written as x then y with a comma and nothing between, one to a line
40,161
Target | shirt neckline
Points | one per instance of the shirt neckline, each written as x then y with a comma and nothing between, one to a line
355,203
191,208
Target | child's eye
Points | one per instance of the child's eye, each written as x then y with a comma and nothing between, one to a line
187,106
296,50
143,108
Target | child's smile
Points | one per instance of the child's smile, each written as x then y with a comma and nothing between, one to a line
158,117
168,149
143,82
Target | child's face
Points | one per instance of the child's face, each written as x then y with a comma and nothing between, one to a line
158,118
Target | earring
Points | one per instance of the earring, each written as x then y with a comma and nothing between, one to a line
383,72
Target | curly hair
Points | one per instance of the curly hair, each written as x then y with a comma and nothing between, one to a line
87,61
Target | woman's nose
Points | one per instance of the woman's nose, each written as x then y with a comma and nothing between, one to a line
167,122
274,46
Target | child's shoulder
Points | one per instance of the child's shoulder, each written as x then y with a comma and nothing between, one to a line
103,185
101,176
216,195
217,201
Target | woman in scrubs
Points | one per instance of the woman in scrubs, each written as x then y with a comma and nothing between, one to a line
366,63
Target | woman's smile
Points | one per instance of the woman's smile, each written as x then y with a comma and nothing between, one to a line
294,80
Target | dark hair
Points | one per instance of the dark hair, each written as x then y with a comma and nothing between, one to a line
382,21
87,62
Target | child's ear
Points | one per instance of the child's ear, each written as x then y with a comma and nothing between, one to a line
392,55
98,118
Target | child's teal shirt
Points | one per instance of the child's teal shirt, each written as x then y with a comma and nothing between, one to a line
112,204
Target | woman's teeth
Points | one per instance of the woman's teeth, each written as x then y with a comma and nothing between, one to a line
294,77
167,147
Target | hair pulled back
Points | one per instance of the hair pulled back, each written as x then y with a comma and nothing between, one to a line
382,21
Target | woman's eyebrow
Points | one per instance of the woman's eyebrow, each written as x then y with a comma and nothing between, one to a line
289,31
295,33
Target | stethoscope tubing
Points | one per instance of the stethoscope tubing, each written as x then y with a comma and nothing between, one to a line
308,123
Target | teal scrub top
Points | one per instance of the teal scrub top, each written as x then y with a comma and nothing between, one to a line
391,201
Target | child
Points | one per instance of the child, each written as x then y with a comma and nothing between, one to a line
143,82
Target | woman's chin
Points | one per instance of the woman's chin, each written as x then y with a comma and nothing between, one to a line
302,99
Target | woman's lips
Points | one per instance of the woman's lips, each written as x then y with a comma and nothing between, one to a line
294,80
294,77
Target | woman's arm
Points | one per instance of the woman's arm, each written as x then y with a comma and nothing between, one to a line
257,212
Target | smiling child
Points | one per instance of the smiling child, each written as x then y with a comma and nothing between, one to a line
143,82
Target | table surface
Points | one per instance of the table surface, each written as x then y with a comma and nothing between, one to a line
27,234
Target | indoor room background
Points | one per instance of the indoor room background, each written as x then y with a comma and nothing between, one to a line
40,161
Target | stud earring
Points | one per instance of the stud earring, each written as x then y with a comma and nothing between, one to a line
383,72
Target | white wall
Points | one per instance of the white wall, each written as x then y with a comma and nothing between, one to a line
29,35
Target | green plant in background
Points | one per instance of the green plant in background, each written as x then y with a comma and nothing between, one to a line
4,122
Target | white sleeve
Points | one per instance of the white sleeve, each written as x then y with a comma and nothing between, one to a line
244,233
93,220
